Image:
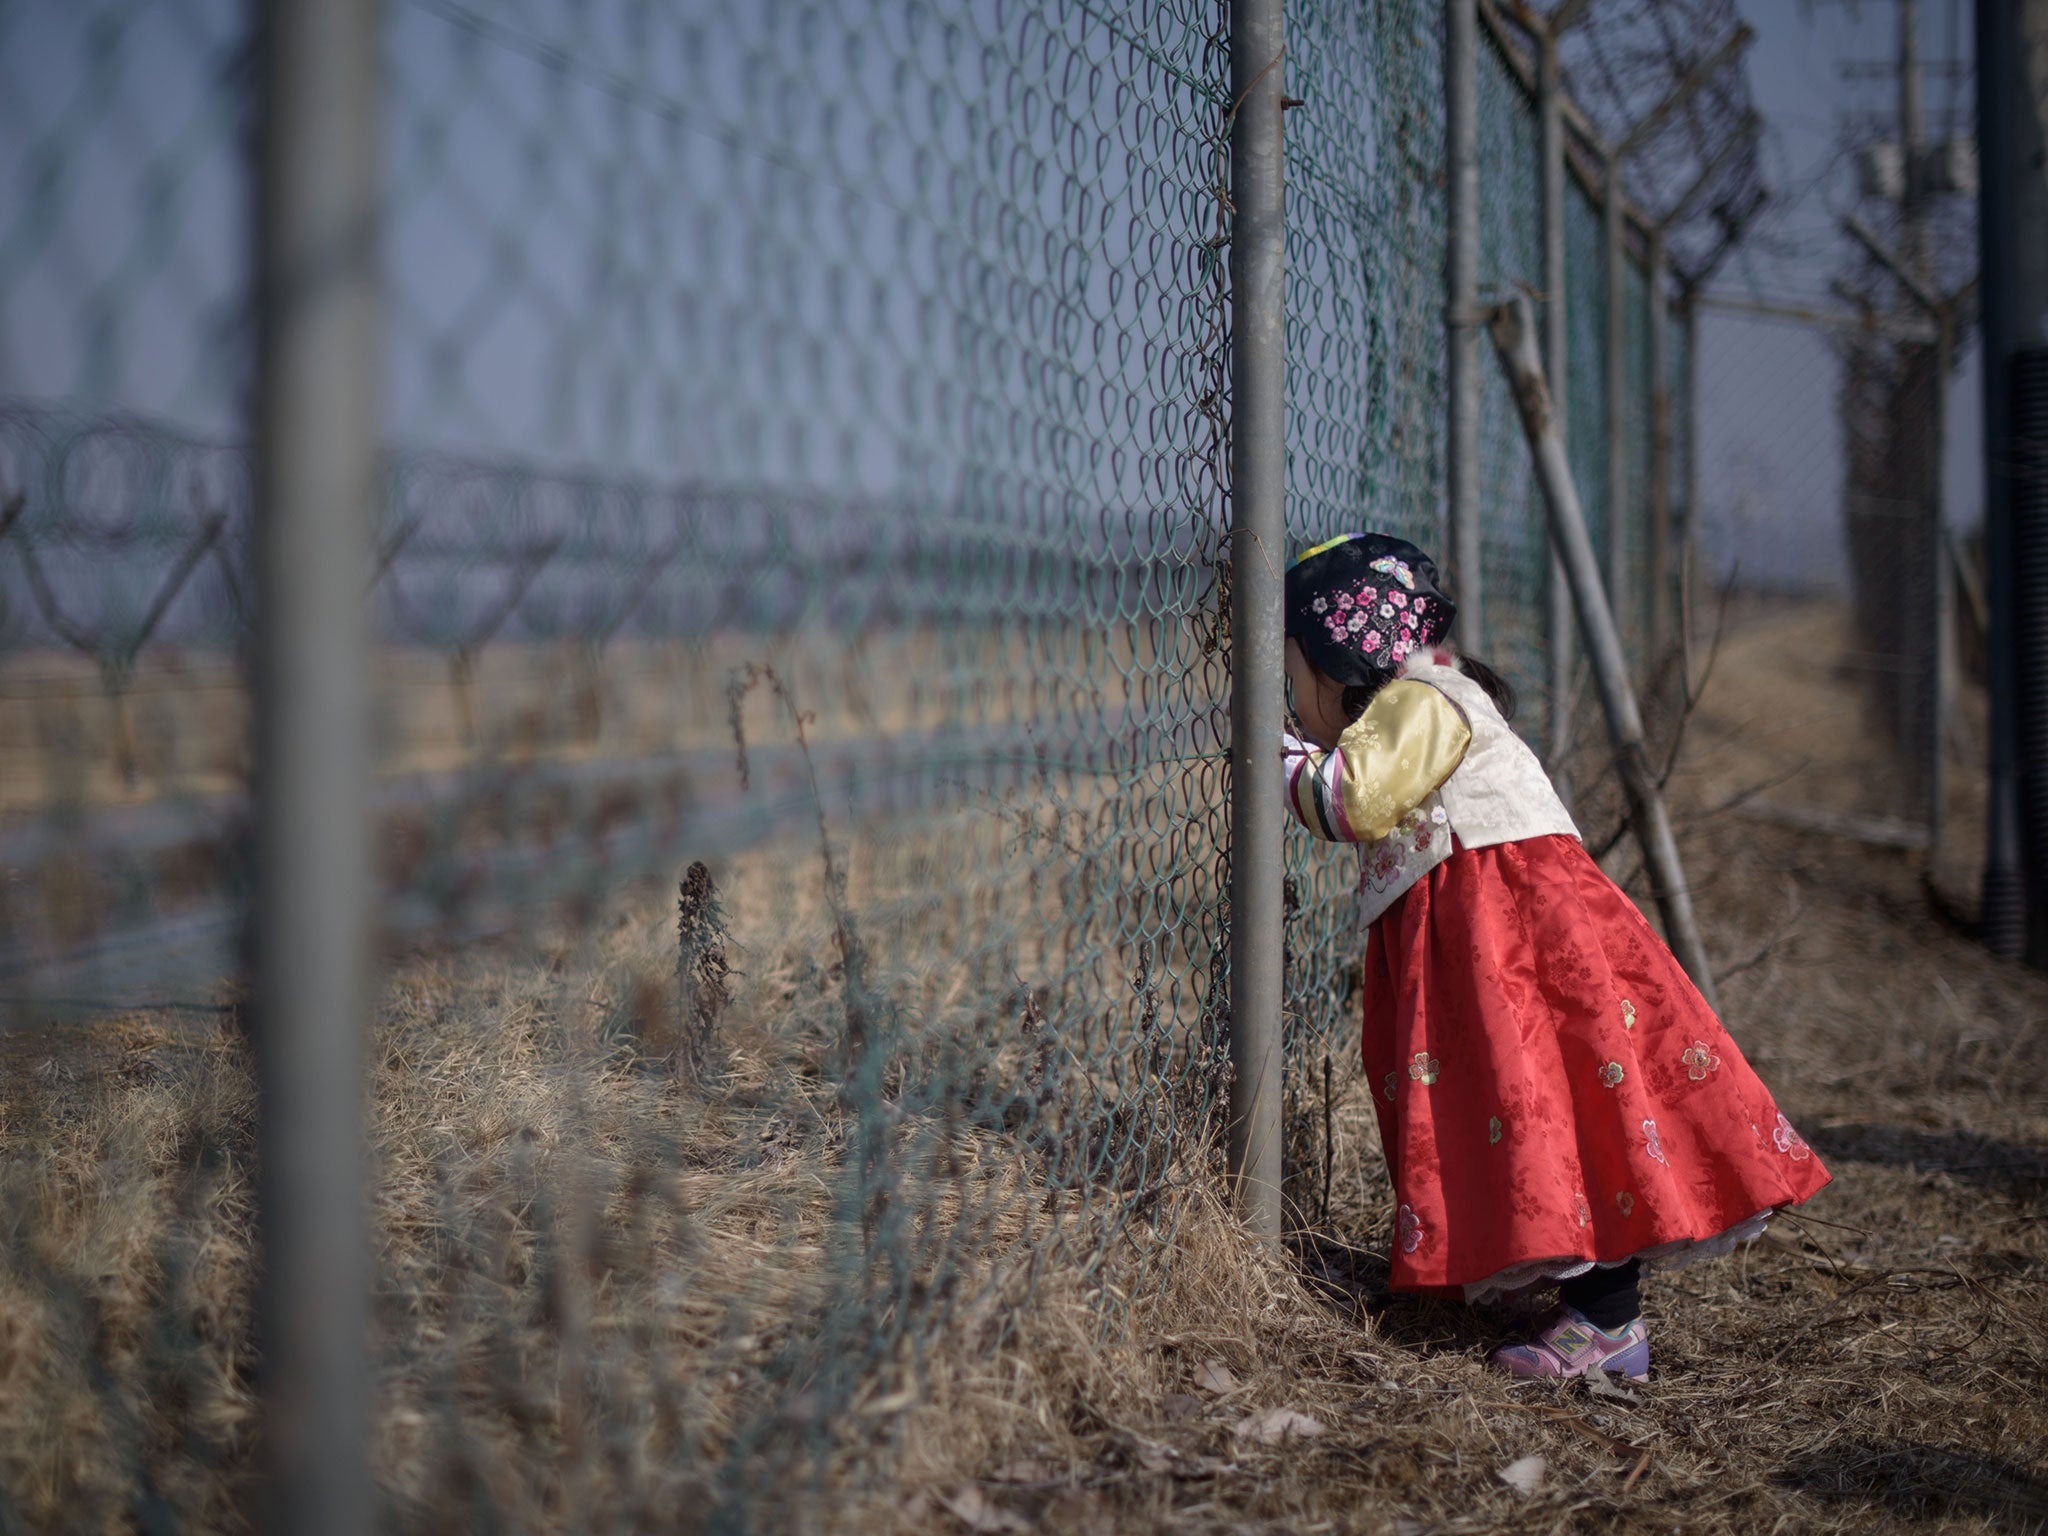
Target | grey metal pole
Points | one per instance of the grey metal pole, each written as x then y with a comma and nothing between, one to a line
1514,335
1614,370
1660,454
2006,183
315,421
1942,663
1689,530
1557,353
1928,705
1258,554
1461,280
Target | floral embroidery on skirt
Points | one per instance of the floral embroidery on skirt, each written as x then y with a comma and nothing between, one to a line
1789,1141
1509,961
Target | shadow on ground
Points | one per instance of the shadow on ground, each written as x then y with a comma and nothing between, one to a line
2000,1166
1353,1283
1912,1479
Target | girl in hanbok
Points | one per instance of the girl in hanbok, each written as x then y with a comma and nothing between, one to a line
1556,1100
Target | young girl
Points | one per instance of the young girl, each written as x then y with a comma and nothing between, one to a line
1556,1100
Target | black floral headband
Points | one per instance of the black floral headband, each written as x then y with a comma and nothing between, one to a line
1358,606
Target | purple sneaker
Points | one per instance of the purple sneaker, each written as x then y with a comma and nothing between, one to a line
1568,1345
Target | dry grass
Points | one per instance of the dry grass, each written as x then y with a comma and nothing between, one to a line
600,1286
178,725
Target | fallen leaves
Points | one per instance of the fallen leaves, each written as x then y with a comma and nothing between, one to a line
1276,1426
975,1510
1601,1385
1177,1407
1600,1437
895,1402
1524,1476
1214,1376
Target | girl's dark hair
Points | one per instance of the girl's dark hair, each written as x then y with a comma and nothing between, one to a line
1497,688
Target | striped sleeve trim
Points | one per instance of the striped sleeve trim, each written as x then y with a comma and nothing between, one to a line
1314,797
1330,784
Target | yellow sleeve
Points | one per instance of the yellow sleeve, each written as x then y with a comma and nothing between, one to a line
1387,762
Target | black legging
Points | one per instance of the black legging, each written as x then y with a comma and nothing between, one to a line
1607,1298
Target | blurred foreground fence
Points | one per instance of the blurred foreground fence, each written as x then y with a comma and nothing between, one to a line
806,439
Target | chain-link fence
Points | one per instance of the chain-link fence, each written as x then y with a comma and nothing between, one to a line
805,464
1515,549
1824,434
1772,430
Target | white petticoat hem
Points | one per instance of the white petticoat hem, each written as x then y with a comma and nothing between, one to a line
1664,1256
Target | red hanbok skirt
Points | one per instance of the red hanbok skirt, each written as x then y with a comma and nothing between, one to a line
1553,1092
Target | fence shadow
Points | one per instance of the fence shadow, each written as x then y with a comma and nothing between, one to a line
1913,1479
1350,1281
1984,1161
1353,1282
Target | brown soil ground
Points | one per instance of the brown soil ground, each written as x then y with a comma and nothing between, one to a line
1879,1362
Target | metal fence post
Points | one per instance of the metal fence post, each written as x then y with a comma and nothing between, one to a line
1614,366
1258,555
1461,280
1689,528
1557,359
1941,661
315,424
1660,454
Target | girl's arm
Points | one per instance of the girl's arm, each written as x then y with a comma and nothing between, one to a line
1387,762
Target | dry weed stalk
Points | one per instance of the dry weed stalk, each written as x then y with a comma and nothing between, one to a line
703,974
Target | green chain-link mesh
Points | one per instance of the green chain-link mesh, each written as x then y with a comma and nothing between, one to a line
1585,265
807,436
1365,346
1515,544
1633,600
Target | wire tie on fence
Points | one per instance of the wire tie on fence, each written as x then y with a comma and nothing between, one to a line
1230,117
1265,557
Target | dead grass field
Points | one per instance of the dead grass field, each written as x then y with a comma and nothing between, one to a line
1879,1363
177,726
